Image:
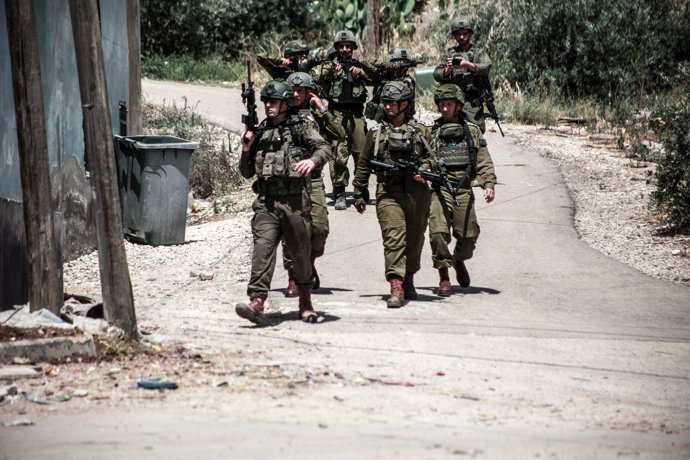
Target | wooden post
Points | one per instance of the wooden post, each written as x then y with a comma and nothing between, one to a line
116,286
45,281
134,119
373,27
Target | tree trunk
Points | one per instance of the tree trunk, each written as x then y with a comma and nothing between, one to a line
116,287
373,27
45,264
134,46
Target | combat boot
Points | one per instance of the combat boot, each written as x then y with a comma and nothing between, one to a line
254,311
340,198
397,295
444,285
316,281
463,275
408,287
306,310
291,289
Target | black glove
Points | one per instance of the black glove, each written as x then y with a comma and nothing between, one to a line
360,202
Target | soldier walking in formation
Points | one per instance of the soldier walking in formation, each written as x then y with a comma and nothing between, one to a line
395,68
461,149
309,107
282,153
343,82
467,66
402,200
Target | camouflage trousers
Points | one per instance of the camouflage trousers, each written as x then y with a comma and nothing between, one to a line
403,213
446,220
276,218
319,223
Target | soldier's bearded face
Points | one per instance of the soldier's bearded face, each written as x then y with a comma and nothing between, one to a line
344,49
449,108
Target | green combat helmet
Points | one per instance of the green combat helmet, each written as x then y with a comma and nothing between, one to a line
296,47
462,24
345,36
301,79
398,54
447,91
396,91
276,89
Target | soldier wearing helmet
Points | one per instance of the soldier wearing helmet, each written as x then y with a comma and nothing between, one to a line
295,58
467,66
343,82
308,106
395,68
282,153
462,154
402,201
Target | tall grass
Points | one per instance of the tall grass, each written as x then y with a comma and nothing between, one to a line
186,68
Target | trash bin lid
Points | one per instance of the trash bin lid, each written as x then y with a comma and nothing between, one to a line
159,142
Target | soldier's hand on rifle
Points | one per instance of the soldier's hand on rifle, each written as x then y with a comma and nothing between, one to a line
247,140
305,167
336,68
285,62
356,71
489,195
417,178
448,70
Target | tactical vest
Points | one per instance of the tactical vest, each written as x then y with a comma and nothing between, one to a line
469,82
348,91
277,156
455,145
397,144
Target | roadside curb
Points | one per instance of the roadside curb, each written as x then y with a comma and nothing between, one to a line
40,350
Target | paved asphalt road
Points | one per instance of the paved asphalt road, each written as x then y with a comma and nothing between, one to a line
555,351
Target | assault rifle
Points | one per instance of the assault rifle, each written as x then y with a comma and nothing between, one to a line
347,65
250,120
410,168
395,65
487,97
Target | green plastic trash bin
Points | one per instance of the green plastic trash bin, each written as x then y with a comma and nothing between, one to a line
424,77
153,175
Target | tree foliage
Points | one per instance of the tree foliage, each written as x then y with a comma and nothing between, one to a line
673,170
578,48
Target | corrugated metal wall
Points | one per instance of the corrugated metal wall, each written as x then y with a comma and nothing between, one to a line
70,190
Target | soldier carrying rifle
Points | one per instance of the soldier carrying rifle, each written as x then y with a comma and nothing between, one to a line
467,66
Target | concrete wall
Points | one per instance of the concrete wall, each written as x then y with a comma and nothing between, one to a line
71,191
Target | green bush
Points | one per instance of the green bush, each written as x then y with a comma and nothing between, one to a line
672,194
581,48
220,27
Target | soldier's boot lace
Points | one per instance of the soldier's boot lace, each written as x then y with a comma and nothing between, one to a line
397,294
291,289
444,289
254,311
409,290
463,275
306,310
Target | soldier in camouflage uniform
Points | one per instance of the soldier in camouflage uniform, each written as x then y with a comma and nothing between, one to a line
466,65
344,83
308,106
395,68
295,58
402,201
461,149
282,153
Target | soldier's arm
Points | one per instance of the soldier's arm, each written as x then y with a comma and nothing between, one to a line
369,72
318,147
273,66
334,131
428,162
248,155
440,69
486,173
482,64
362,171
